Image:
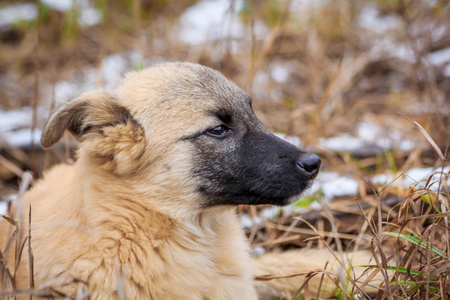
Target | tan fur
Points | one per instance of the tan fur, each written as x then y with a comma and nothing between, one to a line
126,218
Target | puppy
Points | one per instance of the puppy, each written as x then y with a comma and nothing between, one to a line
148,209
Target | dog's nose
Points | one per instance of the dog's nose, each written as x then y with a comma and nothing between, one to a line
309,165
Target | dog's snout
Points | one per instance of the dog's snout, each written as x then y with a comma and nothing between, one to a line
309,164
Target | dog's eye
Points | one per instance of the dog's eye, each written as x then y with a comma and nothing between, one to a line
218,131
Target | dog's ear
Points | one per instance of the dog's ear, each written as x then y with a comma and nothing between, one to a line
107,129
91,111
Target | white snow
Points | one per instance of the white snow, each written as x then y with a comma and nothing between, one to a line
420,175
382,179
370,18
437,58
246,221
440,57
304,9
89,17
406,145
3,207
369,133
113,68
377,134
260,81
388,47
14,119
294,140
342,143
15,127
65,91
341,186
333,185
446,71
260,29
416,177
60,5
269,212
279,73
21,137
209,20
14,13
315,205
258,251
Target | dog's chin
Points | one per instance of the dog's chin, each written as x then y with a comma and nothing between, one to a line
245,197
280,200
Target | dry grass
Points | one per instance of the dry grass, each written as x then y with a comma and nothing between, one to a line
337,77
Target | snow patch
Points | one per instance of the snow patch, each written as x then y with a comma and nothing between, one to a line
258,251
65,91
342,143
89,17
341,186
113,68
414,177
418,176
14,13
209,20
279,73
382,179
248,222
3,207
59,5
371,19
269,212
446,71
15,127
294,140
315,205
440,57
22,138
260,80
370,137
14,119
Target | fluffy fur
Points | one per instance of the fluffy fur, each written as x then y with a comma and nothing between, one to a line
133,217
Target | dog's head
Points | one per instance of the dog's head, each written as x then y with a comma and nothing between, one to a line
189,131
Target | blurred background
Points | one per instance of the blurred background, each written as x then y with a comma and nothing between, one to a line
345,79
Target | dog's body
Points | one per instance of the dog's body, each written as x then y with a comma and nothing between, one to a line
147,209
120,238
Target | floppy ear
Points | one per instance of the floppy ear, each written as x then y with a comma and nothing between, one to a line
91,111
109,133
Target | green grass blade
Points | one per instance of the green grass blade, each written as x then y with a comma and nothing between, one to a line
416,241
391,268
415,285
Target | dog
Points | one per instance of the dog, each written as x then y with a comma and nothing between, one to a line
148,210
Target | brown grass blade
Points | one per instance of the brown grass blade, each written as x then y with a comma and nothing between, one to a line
427,136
